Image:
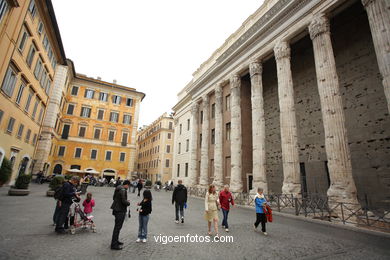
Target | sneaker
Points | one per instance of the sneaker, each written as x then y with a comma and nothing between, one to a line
227,230
182,219
144,240
177,221
138,240
265,233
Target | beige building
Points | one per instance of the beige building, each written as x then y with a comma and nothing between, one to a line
155,150
296,101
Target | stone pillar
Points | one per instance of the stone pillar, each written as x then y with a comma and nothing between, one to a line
218,146
288,122
342,186
235,135
192,180
258,128
52,110
379,18
204,158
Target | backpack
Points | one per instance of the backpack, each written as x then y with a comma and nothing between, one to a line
58,193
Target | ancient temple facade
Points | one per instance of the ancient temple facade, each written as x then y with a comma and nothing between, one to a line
296,101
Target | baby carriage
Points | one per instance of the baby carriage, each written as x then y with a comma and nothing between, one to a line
78,219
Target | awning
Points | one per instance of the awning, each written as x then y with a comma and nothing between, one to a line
74,170
108,174
92,172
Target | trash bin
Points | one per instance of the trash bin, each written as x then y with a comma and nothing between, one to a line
84,187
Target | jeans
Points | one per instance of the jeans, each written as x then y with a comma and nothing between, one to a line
225,213
62,216
260,217
179,207
143,226
56,213
119,219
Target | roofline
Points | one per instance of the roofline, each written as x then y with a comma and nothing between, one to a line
56,29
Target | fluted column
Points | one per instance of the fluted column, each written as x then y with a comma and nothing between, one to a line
288,124
342,186
236,134
218,153
258,128
192,180
379,19
204,159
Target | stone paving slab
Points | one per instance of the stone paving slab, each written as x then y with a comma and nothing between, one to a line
26,232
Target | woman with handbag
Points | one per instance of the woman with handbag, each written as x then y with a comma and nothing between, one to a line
260,203
211,209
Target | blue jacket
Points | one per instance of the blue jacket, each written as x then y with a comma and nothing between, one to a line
259,204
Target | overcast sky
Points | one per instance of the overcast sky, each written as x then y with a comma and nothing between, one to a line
153,46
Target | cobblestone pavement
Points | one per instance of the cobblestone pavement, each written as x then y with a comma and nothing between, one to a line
26,232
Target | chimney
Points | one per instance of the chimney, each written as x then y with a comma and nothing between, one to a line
114,81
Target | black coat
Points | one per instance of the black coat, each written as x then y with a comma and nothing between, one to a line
179,194
146,208
68,193
139,185
120,202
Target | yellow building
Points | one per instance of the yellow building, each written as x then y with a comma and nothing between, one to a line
30,50
155,150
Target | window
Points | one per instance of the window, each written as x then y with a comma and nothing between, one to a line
31,54
213,110
187,145
200,140
212,136
167,163
82,131
93,154
70,109
23,39
227,103
61,151
20,131
20,93
77,153
170,125
45,42
122,157
35,108
103,96
38,69
108,155
32,8
65,131
114,117
169,135
168,148
96,135
34,141
43,78
124,138
178,170
48,85
127,119
129,102
89,93
228,127
1,115
85,112
28,102
10,126
180,127
179,150
27,139
186,170
40,115
201,117
75,91
40,27
100,115
9,82
188,125
111,135
3,8
116,100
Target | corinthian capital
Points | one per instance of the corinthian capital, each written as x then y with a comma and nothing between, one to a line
367,2
319,25
282,50
255,68
235,81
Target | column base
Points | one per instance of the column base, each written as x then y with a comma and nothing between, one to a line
342,193
236,187
292,188
259,184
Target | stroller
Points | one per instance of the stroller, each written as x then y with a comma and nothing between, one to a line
78,219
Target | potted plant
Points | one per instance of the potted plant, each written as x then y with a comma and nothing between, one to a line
56,182
21,186
5,171
148,184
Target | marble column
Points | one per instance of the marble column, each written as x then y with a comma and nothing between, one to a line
236,135
258,128
288,122
192,180
218,145
379,18
342,186
204,158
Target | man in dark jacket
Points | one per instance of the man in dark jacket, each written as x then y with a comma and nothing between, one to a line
119,209
179,196
139,186
65,200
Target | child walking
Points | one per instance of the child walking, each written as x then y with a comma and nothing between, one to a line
88,204
145,208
